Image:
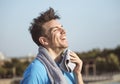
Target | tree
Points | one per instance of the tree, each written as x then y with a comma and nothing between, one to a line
2,72
101,64
113,62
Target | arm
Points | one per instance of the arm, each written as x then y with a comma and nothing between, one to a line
78,78
77,71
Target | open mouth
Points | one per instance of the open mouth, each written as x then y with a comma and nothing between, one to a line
63,37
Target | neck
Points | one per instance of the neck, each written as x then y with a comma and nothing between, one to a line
55,54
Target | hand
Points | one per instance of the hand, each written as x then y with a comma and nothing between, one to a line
77,71
75,59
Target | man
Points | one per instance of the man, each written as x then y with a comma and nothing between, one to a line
50,36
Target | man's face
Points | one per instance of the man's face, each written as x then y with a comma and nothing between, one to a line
56,34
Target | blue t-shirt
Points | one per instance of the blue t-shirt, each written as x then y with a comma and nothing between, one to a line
37,74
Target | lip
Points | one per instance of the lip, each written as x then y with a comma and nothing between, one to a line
63,37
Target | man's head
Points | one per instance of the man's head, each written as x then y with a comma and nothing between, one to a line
36,29
47,31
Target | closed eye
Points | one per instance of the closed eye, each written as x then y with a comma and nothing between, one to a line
53,29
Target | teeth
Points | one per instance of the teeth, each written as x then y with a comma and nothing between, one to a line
64,37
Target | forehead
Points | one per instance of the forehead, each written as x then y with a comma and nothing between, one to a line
50,24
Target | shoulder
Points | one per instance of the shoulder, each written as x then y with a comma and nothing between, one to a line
35,73
36,67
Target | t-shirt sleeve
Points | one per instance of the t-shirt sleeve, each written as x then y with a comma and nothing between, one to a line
35,74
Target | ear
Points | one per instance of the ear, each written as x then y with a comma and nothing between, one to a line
43,41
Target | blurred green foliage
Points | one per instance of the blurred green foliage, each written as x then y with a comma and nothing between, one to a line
13,68
107,60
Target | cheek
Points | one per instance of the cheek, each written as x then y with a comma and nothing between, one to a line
55,37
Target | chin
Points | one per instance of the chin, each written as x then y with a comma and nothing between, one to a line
66,46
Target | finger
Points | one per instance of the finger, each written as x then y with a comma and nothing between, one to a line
72,58
75,60
72,54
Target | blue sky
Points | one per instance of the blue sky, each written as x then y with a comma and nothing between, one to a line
89,24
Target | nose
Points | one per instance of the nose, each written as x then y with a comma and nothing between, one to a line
63,31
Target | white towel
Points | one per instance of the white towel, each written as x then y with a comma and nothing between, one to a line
66,64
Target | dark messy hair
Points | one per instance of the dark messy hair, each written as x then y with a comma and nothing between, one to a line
36,29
